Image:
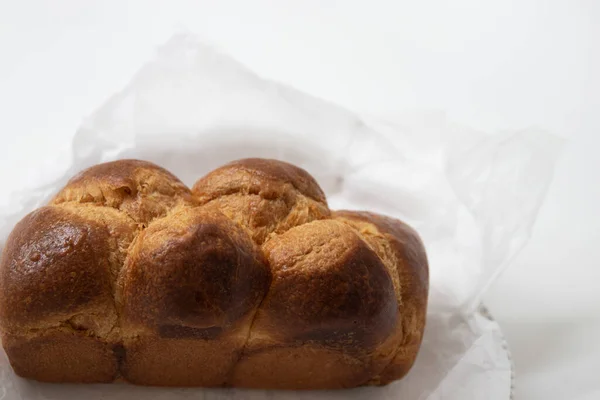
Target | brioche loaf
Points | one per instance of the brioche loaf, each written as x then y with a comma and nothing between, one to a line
246,280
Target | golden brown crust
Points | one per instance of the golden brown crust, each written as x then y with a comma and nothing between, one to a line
58,265
331,303
192,274
142,190
328,286
257,175
182,361
301,368
248,281
190,289
62,356
393,239
266,196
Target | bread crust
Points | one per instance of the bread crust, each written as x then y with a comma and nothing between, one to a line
247,280
142,190
401,248
266,196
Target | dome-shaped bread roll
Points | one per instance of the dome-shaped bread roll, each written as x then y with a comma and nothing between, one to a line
140,189
266,196
194,276
400,247
57,290
331,303
248,280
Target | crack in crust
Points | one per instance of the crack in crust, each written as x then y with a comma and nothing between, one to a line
246,280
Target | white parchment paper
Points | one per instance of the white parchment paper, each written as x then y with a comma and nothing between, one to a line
473,197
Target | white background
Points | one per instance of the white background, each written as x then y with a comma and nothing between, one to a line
493,65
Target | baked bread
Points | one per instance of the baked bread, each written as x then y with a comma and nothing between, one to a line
247,280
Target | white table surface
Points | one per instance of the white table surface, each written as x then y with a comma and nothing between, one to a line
490,64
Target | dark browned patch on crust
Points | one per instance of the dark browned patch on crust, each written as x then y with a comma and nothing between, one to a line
179,331
54,262
120,353
338,293
194,268
413,275
407,244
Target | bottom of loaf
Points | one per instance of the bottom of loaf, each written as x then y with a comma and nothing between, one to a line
61,356
70,357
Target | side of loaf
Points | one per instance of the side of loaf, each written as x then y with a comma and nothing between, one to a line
245,280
